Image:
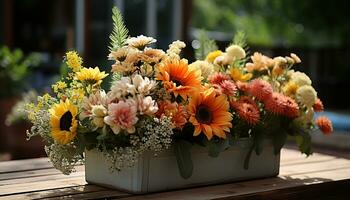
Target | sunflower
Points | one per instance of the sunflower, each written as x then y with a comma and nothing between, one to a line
178,78
63,122
209,114
91,75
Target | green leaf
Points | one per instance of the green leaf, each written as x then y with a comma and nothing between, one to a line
182,150
120,32
304,143
206,45
279,139
216,147
258,143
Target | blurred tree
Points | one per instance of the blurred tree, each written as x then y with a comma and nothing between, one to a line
310,23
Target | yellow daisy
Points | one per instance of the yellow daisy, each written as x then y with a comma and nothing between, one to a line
238,75
212,55
63,122
91,75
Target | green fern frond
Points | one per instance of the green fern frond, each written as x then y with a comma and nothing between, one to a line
119,33
206,45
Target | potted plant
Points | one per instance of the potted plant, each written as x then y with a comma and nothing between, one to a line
14,70
165,123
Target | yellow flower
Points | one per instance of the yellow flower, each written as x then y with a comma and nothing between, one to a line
63,122
238,75
60,85
212,55
91,75
77,94
290,88
74,61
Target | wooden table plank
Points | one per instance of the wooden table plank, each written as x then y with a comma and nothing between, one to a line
297,174
23,165
52,193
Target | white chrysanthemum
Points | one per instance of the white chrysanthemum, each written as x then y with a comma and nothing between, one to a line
146,106
143,85
300,78
140,42
306,95
175,49
205,67
235,52
122,88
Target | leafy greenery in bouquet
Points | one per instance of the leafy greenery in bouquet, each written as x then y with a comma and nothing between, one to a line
157,100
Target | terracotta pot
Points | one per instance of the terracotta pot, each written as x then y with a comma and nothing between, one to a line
13,138
5,108
20,147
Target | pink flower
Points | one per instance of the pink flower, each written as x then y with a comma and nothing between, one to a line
218,78
247,110
282,105
261,89
291,108
276,103
146,105
228,88
243,86
122,116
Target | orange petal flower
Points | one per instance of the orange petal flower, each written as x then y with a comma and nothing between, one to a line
209,114
261,89
178,78
325,125
247,110
318,106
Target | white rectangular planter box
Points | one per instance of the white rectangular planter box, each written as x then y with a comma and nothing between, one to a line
159,173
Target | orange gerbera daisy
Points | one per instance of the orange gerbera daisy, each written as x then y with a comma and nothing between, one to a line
209,114
178,78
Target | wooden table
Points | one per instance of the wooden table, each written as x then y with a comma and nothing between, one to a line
317,177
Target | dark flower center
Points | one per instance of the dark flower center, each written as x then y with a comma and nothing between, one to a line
177,82
66,121
203,115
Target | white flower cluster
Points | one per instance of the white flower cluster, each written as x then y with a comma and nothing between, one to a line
64,157
155,135
121,158
41,125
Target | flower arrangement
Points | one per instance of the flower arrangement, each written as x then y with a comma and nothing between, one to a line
157,100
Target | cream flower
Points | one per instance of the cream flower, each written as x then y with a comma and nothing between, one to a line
140,42
300,78
122,88
205,67
223,59
97,98
143,85
175,49
295,58
306,95
122,116
98,113
146,106
235,52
